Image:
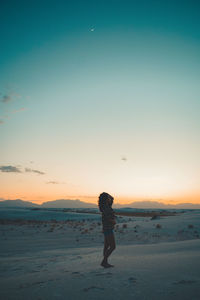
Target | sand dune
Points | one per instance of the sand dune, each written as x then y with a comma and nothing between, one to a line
61,260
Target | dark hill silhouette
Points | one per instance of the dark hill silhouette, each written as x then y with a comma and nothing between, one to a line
158,205
60,203
17,203
67,203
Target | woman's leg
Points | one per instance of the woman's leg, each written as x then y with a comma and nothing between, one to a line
109,246
106,245
111,242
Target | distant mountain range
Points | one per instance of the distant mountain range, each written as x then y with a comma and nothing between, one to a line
61,203
67,203
17,203
159,205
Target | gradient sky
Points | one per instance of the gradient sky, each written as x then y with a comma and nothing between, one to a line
100,96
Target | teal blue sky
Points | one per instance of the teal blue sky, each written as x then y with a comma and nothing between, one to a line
100,96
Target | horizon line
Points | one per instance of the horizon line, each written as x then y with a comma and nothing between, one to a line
115,203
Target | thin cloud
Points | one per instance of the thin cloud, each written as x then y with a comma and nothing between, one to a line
6,98
3,117
34,171
124,158
18,110
54,182
11,169
12,112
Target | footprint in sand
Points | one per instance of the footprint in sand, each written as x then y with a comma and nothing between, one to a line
38,282
41,266
74,258
92,287
104,274
16,269
184,282
78,274
132,280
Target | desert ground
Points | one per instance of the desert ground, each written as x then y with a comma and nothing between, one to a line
155,258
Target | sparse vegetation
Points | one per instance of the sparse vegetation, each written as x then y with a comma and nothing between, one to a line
158,226
51,229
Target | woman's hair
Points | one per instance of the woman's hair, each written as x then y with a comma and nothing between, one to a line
102,200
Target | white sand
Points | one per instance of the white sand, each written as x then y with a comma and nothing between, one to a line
62,261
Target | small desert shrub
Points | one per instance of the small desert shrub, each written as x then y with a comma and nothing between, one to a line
155,217
158,226
51,229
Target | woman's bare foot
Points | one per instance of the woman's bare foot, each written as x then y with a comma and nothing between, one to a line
106,264
110,265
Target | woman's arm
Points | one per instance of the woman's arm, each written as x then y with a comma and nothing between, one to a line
113,221
109,214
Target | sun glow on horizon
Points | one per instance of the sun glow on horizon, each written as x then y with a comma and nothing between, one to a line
123,200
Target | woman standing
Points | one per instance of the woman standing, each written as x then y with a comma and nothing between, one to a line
108,222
